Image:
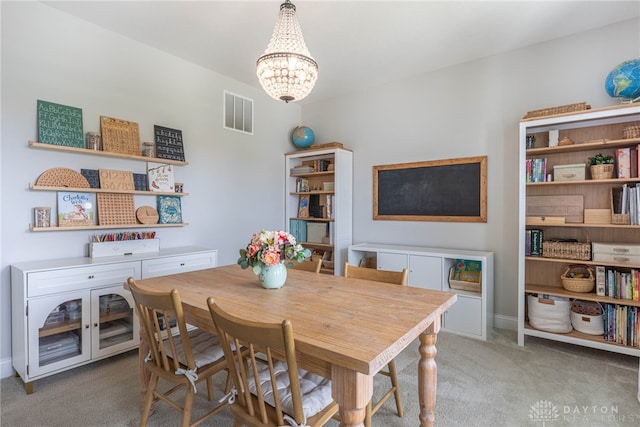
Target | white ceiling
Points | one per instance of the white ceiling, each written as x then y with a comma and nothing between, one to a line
357,44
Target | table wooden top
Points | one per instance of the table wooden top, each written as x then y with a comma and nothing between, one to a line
353,323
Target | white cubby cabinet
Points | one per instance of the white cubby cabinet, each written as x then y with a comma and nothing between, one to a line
593,131
472,314
70,312
333,183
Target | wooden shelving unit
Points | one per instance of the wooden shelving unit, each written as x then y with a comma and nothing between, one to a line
593,131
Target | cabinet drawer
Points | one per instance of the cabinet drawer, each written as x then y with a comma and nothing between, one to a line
178,264
617,258
625,249
70,279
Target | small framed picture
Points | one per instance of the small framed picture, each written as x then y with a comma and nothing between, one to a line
303,206
179,187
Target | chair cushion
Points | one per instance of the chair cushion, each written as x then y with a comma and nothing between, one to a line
316,390
205,346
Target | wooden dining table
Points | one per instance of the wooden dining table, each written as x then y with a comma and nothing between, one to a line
345,329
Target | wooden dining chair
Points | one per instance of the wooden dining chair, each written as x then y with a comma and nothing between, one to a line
271,390
306,265
396,278
182,358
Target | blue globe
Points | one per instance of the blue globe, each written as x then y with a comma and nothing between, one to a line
624,80
303,137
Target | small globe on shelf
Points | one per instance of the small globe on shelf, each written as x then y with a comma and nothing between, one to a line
303,137
624,81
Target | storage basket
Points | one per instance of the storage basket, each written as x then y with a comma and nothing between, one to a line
465,285
549,313
580,106
574,280
587,317
630,132
567,250
601,171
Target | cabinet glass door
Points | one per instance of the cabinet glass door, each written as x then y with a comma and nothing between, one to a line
59,332
115,327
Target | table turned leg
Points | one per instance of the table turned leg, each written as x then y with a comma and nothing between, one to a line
427,375
352,391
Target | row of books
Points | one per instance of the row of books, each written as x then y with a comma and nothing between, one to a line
626,200
622,283
621,324
536,170
533,242
311,232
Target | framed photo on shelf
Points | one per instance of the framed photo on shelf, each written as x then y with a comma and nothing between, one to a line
76,209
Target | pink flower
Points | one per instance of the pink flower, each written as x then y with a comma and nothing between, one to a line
252,250
270,257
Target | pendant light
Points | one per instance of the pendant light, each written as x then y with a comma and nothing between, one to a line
286,70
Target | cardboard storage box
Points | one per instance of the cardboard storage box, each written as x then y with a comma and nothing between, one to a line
316,231
623,253
569,172
597,216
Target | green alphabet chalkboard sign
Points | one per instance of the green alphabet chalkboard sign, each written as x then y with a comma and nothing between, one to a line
439,190
60,124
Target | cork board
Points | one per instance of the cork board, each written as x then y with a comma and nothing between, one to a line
116,209
116,180
120,136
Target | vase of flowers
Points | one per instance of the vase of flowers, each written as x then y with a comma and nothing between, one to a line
267,253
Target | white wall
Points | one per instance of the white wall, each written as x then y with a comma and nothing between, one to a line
235,181
469,110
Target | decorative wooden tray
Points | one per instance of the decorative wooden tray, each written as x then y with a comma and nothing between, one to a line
62,177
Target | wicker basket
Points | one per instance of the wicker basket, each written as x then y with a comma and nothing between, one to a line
630,132
602,171
582,284
566,250
570,108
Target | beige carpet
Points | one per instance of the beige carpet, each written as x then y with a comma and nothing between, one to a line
493,383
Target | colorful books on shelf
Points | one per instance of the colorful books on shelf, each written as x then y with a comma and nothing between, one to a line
621,324
533,242
626,200
618,282
536,170
298,229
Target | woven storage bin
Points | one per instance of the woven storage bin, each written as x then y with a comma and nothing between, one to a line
549,313
601,171
574,280
566,250
631,132
561,109
465,285
586,317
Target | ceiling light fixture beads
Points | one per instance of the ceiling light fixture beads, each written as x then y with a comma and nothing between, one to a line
286,70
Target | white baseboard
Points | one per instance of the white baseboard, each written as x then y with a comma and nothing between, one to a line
505,322
6,368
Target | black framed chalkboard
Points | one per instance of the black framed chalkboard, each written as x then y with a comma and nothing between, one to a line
169,143
438,190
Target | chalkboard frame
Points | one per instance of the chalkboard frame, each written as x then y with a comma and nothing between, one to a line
479,163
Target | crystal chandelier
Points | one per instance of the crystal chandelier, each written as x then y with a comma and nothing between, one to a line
286,70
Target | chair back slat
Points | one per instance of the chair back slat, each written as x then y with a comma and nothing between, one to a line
377,275
312,265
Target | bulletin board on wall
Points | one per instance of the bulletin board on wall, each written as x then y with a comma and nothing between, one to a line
451,190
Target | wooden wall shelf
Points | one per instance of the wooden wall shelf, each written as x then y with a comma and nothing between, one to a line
35,187
103,227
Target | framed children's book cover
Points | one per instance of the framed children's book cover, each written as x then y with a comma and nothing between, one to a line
160,177
76,209
169,210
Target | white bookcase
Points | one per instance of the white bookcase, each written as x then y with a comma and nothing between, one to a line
472,314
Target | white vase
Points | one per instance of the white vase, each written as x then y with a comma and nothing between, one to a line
273,276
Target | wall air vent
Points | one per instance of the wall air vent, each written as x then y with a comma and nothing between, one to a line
238,113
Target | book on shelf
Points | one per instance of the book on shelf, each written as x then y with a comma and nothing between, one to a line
160,177
298,229
621,324
619,282
533,242
626,162
169,210
536,170
76,208
601,280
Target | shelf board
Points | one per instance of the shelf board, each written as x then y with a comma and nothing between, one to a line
575,337
314,219
39,145
316,245
35,187
583,225
298,193
103,227
586,181
579,261
597,145
58,328
109,317
587,296
307,174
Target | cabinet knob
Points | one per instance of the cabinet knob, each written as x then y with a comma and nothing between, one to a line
182,264
91,276
86,326
95,325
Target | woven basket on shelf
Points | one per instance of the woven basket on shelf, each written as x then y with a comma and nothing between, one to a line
567,250
578,278
630,132
602,171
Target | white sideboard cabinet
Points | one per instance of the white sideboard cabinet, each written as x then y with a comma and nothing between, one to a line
472,314
69,312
